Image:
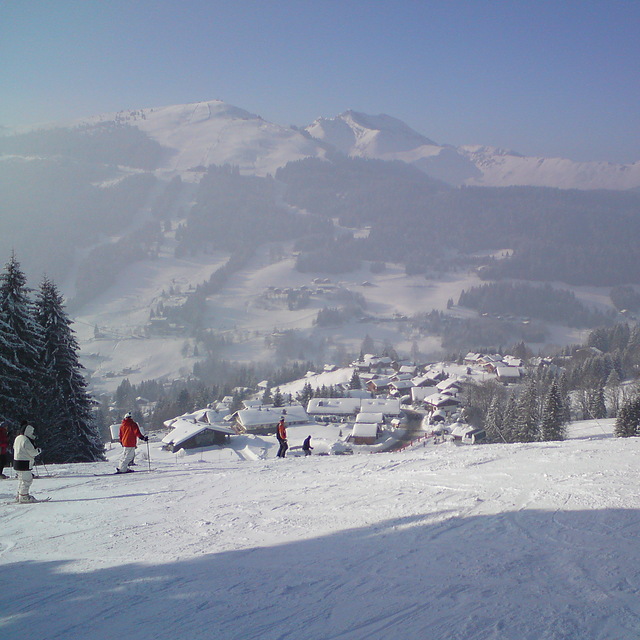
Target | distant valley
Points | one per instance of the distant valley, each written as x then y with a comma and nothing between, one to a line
203,230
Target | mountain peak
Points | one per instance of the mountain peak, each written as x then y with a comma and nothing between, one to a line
359,134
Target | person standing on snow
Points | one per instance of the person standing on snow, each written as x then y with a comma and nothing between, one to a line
4,447
24,455
129,434
306,446
281,434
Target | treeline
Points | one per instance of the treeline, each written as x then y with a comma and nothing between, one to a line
106,143
41,377
544,302
537,411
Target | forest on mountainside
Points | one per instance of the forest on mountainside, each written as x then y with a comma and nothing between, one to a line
578,237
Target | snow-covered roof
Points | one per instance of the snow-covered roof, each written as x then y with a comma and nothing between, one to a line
507,372
420,393
441,400
266,416
408,369
370,417
460,429
380,382
402,384
448,383
420,380
387,406
333,406
359,393
184,429
364,430
202,416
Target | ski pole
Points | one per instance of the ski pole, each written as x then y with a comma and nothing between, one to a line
148,454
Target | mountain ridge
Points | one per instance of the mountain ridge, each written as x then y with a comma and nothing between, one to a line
214,132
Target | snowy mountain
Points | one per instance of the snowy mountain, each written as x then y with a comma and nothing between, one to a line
387,138
215,133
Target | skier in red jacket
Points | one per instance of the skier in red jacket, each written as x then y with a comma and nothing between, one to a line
129,434
281,434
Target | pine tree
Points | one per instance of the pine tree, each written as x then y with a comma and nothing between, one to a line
509,419
493,424
70,431
596,406
355,382
20,347
278,400
552,423
628,421
527,418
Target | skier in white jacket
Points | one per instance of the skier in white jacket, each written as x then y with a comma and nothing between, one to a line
24,455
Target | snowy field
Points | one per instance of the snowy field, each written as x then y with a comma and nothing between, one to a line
522,542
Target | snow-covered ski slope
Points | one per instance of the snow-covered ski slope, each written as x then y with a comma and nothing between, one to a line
521,542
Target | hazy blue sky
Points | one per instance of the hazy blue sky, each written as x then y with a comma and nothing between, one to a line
540,77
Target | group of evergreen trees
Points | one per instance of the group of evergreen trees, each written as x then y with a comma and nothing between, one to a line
41,377
536,411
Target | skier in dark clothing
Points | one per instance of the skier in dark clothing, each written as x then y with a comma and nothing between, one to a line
4,448
306,446
281,434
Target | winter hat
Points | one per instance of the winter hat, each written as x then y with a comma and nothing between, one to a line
127,415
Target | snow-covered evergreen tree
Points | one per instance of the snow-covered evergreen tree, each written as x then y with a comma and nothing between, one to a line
278,400
305,395
355,382
493,424
509,419
552,424
628,421
596,406
69,431
20,348
527,427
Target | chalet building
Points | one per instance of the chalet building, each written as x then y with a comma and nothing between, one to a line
508,374
410,369
400,387
370,418
418,394
449,385
424,381
442,402
198,429
190,435
364,433
467,434
379,385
